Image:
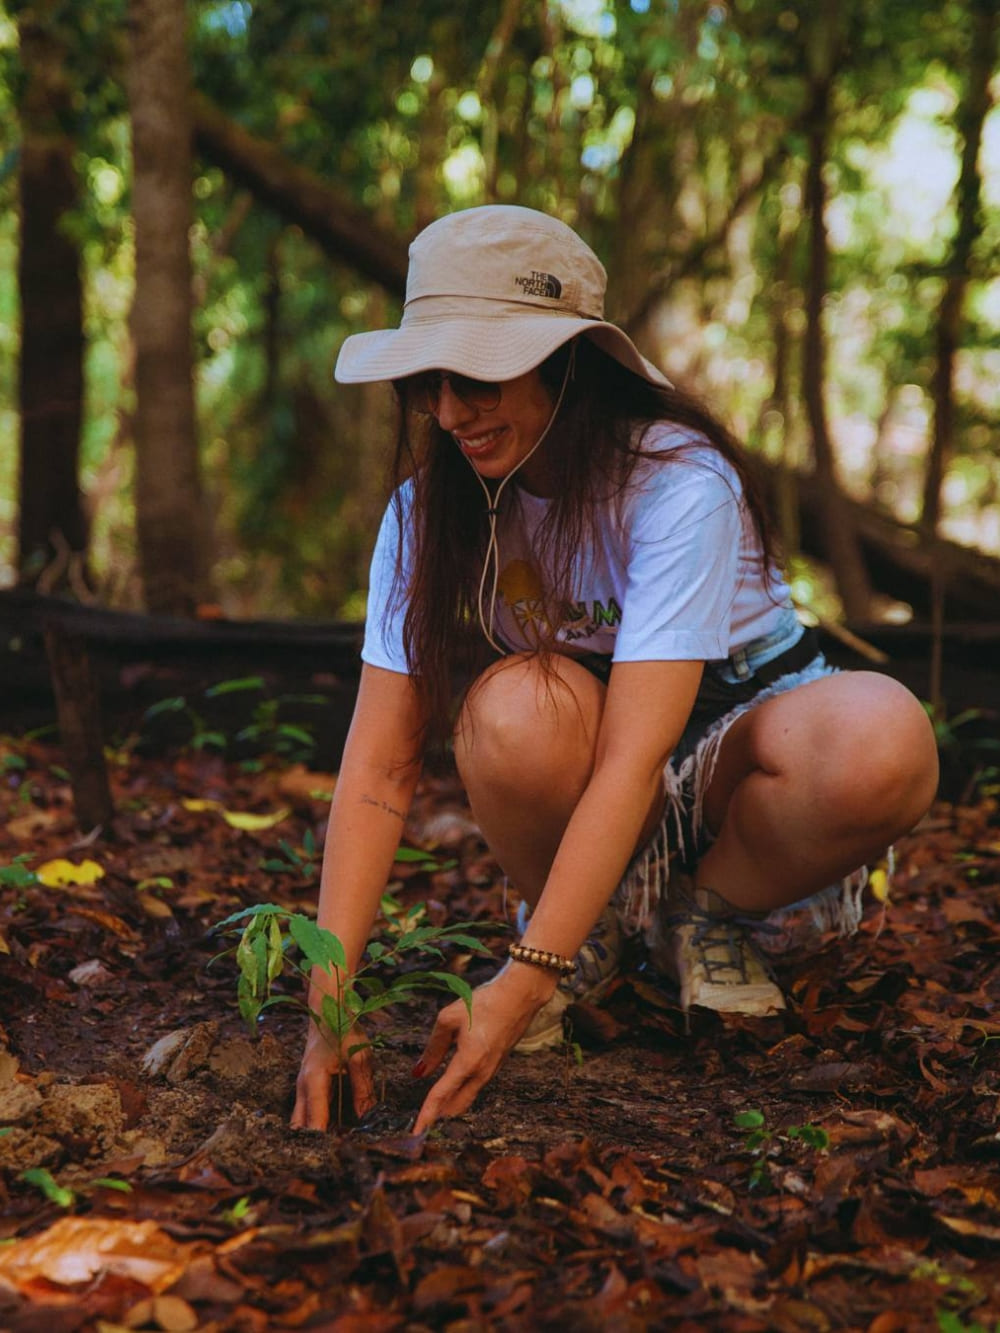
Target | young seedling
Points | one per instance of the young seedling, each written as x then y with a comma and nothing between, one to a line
764,1143
273,939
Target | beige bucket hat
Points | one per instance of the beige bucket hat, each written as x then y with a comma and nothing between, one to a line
490,293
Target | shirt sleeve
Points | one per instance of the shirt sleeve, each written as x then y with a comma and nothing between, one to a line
683,531
383,641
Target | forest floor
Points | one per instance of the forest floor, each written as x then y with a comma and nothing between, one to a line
607,1186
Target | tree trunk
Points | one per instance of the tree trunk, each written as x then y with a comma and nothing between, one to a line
840,540
972,112
52,530
170,515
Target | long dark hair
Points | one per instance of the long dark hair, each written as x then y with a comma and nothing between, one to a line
591,452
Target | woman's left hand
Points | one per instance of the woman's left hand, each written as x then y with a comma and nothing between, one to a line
501,1010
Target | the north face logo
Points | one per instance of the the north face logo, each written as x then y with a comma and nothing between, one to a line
537,283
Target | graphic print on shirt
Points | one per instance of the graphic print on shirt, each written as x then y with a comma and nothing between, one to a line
520,588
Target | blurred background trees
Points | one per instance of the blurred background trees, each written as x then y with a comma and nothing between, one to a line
798,204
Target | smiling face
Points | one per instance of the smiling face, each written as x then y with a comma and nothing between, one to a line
497,440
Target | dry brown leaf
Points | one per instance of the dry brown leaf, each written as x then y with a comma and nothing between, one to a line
962,1226
169,1313
445,1285
75,1250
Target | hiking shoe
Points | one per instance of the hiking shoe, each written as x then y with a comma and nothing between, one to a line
704,944
597,965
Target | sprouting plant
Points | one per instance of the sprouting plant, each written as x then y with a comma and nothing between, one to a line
50,1187
949,1322
201,736
271,937
763,1143
17,875
302,863
269,731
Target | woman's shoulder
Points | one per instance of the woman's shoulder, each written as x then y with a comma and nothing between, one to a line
673,457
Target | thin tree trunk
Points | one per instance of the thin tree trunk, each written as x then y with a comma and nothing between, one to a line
52,529
972,112
170,514
840,539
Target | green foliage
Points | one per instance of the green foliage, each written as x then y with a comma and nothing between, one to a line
949,1322
274,940
765,1144
46,1182
268,731
641,124
18,875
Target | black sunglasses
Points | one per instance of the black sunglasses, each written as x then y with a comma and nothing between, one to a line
422,393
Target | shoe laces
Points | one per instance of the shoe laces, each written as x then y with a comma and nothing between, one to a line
731,931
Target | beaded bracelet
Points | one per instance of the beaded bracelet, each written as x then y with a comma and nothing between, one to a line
521,953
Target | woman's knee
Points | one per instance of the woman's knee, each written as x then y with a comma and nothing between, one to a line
882,758
523,714
858,743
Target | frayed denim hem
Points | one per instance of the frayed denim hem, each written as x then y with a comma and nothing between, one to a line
682,834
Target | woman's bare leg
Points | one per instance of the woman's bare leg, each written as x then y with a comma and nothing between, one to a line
525,744
814,783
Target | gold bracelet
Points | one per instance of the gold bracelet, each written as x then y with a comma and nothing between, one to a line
555,962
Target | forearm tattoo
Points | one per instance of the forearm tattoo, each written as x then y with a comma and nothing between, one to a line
384,805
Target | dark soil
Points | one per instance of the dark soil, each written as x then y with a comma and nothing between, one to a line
605,1186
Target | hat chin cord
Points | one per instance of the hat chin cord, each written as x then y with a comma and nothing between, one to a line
492,558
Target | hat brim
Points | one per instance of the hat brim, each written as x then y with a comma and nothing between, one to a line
483,348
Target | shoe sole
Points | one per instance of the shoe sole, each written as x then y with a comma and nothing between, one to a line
552,1036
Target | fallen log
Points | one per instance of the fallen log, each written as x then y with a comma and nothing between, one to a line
902,562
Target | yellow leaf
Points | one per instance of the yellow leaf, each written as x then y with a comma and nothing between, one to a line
878,882
4,947
253,823
61,874
192,803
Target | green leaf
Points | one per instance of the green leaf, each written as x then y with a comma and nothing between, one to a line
289,732
813,1135
53,1191
203,738
259,910
175,705
17,875
336,1017
111,1183
749,1120
233,686
467,942
320,948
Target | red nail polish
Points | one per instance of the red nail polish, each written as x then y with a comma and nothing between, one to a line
418,1069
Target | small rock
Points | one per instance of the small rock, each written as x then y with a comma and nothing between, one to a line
89,1115
158,1057
92,974
177,1055
18,1103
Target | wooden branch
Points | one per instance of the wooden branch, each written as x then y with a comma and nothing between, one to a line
343,230
902,563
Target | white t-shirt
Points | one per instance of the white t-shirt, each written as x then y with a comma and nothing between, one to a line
673,575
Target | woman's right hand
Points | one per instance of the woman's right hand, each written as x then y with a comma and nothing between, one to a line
321,1064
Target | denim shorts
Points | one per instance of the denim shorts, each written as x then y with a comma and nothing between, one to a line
782,661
